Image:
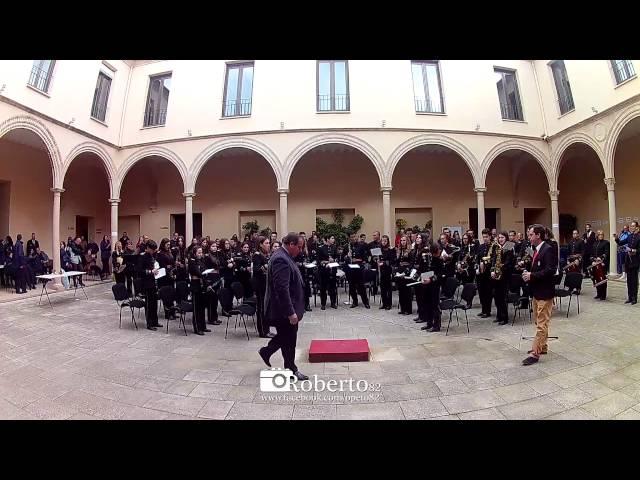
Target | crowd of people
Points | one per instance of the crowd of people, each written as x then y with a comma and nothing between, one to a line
20,263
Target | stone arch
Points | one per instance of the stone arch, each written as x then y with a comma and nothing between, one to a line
32,124
435,139
149,152
625,117
577,137
260,148
324,139
538,155
101,153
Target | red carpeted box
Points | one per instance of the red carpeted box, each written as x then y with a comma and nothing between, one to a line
355,350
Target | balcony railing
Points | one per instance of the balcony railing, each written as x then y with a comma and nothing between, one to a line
424,105
511,111
234,108
155,117
333,103
623,70
40,78
565,102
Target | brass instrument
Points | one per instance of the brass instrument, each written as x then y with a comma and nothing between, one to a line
526,259
573,263
462,266
120,265
497,267
487,259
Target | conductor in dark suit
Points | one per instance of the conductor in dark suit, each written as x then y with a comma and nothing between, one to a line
284,302
542,288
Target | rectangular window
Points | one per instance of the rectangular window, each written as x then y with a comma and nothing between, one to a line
41,73
101,97
427,89
508,94
622,70
563,88
238,90
157,100
332,86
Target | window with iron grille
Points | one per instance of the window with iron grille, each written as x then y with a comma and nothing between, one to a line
101,97
157,100
41,73
332,93
508,94
238,90
427,89
563,87
622,70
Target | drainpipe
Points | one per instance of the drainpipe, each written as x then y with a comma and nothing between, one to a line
124,106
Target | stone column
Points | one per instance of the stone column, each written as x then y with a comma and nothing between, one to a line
55,248
480,197
613,248
555,215
114,222
283,212
188,217
386,212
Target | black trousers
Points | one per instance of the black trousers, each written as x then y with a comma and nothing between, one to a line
421,292
199,308
211,303
307,289
21,279
485,293
260,287
405,295
151,306
500,297
632,283
245,279
105,267
385,288
285,339
431,306
358,287
121,278
328,283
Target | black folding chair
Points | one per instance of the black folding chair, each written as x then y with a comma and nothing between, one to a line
183,304
228,310
122,299
369,278
466,299
572,288
245,305
168,296
516,297
449,288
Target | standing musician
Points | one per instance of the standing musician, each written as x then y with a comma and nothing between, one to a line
197,265
300,260
148,267
212,262
260,264
311,275
483,274
118,264
631,261
517,245
375,243
328,253
359,256
242,270
420,261
465,266
403,266
131,259
502,265
599,265
385,264
180,261
577,253
448,254
226,262
431,289
166,261
589,238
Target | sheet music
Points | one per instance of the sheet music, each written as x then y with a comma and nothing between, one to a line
354,265
333,265
426,275
376,252
413,273
310,265
161,273
208,271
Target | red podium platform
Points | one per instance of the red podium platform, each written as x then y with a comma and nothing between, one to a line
355,350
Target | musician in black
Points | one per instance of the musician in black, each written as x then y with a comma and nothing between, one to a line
385,266
131,259
465,266
599,256
431,289
375,243
147,270
165,260
589,238
403,264
577,251
197,265
242,270
483,275
260,264
631,261
326,254
225,254
359,256
517,245
451,256
300,260
502,264
118,264
180,261
212,282
421,262
124,239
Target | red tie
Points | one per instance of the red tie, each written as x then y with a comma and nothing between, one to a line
535,255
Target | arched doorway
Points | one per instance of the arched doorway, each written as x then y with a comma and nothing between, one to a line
626,167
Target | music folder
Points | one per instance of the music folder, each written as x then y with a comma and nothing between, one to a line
208,271
333,265
376,252
161,273
354,265
310,265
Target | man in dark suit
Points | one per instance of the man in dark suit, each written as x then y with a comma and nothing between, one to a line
148,269
542,288
589,238
284,303
631,261
20,265
32,245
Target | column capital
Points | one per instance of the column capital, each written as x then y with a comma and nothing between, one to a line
114,201
554,194
610,183
188,195
480,189
283,190
57,190
386,189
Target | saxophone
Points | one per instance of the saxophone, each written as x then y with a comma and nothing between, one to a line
487,259
497,268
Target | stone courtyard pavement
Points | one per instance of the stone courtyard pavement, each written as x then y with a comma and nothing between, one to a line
73,362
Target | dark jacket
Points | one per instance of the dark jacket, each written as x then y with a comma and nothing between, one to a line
105,250
285,289
543,272
18,254
633,242
31,246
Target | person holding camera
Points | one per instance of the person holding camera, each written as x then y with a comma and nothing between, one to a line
284,302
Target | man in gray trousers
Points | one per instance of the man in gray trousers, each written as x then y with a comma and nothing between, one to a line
284,303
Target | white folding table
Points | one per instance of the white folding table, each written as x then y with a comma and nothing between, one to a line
52,276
